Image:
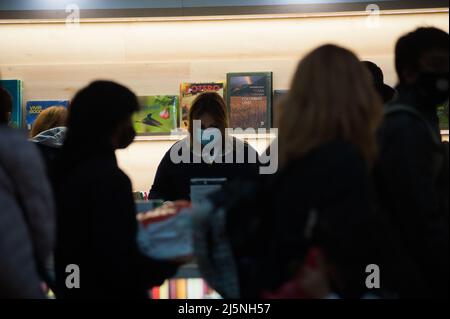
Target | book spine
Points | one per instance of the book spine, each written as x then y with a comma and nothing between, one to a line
195,289
172,289
155,293
181,289
164,290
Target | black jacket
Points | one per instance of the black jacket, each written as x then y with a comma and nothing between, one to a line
97,231
407,182
172,181
271,231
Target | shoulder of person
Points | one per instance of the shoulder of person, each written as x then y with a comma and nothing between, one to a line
334,158
16,150
338,151
15,141
401,117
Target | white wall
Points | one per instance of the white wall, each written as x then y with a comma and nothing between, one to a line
154,57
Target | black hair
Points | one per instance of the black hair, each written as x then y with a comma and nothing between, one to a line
5,105
99,108
385,91
95,113
411,47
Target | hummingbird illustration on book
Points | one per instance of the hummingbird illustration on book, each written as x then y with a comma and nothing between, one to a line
150,121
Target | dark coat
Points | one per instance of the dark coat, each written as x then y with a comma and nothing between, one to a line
271,231
97,231
407,177
172,181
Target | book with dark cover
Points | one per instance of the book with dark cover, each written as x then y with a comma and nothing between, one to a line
249,100
278,96
443,117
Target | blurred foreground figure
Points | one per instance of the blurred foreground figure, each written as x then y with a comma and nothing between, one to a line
26,212
311,230
97,224
412,173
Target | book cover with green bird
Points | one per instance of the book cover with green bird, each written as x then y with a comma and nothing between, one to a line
158,114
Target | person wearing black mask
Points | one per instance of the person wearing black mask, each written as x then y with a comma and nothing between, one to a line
96,212
412,171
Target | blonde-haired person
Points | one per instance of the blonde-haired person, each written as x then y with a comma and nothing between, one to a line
314,218
332,99
48,133
55,116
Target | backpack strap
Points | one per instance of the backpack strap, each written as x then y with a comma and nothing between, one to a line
412,111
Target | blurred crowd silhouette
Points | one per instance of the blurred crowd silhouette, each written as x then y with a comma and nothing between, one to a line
363,180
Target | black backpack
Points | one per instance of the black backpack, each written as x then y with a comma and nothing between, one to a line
436,239
440,160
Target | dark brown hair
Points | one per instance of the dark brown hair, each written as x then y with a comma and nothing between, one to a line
212,104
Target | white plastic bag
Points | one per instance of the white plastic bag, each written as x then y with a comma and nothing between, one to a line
169,239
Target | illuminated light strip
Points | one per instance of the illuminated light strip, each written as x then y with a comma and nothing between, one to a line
178,137
228,17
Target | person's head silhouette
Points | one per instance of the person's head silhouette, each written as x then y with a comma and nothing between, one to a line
100,119
386,92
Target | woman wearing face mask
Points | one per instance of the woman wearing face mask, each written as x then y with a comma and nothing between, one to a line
208,152
96,212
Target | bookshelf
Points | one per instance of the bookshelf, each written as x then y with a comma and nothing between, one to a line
186,284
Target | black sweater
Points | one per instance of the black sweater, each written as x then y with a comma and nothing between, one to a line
97,231
172,181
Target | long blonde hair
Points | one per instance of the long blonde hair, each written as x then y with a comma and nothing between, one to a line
52,117
331,98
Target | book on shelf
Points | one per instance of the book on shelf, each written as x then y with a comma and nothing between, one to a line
14,88
196,289
190,91
443,116
180,289
249,99
164,290
157,114
278,96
